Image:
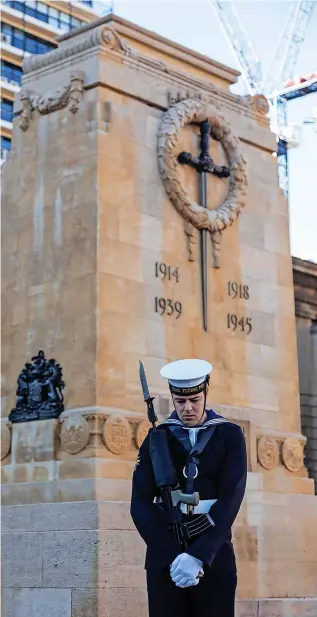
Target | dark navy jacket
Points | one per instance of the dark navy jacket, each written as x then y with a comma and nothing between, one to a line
222,475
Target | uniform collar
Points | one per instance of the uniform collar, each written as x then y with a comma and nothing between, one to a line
212,418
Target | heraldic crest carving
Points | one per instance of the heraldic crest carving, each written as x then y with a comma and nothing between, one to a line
39,392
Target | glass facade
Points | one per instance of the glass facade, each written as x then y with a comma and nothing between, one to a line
11,73
39,10
5,143
26,42
21,39
5,147
6,110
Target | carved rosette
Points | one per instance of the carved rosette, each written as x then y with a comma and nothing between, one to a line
141,432
258,103
111,39
268,452
176,117
292,454
117,434
74,434
5,441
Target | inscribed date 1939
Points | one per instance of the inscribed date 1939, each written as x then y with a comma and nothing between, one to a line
165,306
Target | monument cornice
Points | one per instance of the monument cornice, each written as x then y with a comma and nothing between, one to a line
161,44
108,40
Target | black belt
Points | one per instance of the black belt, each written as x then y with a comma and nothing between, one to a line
191,527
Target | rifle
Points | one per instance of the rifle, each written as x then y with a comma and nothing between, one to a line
163,468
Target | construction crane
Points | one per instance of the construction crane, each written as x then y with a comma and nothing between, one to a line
281,69
242,46
287,51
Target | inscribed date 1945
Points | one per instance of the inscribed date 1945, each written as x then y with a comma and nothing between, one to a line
244,323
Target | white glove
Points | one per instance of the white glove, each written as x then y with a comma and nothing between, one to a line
185,570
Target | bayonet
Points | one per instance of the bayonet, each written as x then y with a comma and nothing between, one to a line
147,397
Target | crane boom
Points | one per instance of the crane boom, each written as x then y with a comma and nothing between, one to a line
287,51
281,69
243,48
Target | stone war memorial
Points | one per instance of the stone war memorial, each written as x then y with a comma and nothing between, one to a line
142,220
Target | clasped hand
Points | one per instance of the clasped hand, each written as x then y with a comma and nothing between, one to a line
185,570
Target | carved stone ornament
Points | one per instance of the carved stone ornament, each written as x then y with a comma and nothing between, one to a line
141,432
292,454
217,220
5,441
75,434
117,434
259,103
183,95
111,38
268,452
39,392
69,96
104,36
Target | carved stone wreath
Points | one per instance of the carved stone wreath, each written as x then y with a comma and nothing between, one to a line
176,117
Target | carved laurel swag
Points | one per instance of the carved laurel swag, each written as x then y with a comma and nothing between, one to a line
176,117
68,96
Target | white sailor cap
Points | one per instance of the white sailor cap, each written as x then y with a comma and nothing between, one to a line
187,377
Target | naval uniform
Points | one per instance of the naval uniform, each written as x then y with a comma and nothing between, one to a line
220,482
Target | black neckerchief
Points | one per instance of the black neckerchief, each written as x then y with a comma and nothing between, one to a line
181,432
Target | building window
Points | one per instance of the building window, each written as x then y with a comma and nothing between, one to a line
52,16
26,42
6,110
5,147
11,73
6,33
5,143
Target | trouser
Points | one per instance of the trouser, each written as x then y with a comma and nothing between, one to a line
213,596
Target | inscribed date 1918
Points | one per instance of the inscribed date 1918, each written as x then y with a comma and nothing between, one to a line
241,292
238,291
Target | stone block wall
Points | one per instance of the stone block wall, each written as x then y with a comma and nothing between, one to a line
86,559
305,289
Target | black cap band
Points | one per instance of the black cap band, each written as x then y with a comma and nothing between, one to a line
188,391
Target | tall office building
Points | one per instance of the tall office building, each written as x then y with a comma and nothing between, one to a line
31,27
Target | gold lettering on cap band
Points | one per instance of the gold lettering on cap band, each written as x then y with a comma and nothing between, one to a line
187,391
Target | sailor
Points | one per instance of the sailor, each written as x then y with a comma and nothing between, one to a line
196,577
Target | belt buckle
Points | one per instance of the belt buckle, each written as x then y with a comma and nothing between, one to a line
190,509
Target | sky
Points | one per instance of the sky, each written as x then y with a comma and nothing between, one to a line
193,23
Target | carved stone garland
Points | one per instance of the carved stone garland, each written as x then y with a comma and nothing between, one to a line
69,96
176,117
